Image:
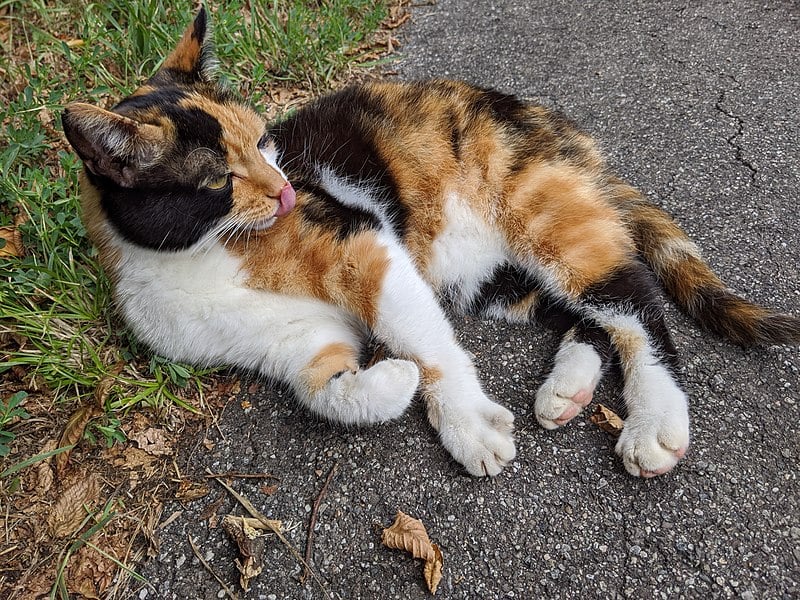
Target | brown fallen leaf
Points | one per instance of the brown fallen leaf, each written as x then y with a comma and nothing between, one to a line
433,569
44,471
73,433
90,573
153,441
409,534
268,489
70,509
189,491
251,548
11,242
607,420
103,388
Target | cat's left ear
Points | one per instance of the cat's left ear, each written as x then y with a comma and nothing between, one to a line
192,60
112,145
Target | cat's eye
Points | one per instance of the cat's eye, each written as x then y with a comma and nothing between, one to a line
218,183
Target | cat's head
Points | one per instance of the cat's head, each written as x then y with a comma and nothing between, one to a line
181,158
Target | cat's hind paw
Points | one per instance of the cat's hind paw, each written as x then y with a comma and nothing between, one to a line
569,387
651,446
481,439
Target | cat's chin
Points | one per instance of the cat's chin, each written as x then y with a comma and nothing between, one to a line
264,223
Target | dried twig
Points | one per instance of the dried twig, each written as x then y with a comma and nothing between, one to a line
238,475
248,506
202,560
313,522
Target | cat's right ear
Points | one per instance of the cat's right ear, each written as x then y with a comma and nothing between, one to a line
111,145
192,60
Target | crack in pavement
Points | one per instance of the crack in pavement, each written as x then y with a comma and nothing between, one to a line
738,150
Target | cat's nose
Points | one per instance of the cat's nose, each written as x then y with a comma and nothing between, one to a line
286,200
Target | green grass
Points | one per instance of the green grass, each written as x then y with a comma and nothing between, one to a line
57,330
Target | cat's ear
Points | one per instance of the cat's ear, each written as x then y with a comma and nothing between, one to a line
192,60
111,145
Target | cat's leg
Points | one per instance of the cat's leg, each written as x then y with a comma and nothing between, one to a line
584,352
656,432
476,431
577,368
312,346
330,383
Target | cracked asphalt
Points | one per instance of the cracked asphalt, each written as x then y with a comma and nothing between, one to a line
696,104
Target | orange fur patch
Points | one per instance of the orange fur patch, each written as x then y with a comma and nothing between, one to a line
556,213
328,362
186,54
628,343
298,259
256,185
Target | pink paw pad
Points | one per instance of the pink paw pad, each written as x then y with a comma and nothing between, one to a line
678,454
583,398
579,400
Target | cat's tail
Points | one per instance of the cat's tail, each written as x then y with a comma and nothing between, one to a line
688,279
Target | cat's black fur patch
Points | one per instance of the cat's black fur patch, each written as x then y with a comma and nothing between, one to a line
507,285
161,97
341,126
166,210
504,108
323,209
635,286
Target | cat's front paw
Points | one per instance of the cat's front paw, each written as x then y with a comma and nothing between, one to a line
480,438
652,445
387,389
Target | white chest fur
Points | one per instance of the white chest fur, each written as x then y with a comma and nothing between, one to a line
197,307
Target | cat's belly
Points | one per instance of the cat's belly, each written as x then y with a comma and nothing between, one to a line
465,254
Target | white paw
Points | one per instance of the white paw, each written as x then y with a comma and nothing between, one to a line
651,446
380,393
656,434
480,436
570,385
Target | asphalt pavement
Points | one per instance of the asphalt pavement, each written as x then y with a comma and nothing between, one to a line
696,103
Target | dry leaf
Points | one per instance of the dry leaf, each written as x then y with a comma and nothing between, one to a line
13,242
73,432
103,388
433,569
607,420
189,491
153,441
408,533
71,508
44,472
90,574
268,489
251,548
130,458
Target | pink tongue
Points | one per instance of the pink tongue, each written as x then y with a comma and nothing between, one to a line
287,199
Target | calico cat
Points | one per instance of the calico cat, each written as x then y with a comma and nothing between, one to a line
286,248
